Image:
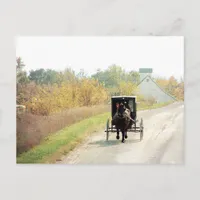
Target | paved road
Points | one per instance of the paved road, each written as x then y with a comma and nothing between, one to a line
162,143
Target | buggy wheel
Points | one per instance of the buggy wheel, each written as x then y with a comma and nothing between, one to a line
141,130
107,130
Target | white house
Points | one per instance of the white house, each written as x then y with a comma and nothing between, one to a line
149,88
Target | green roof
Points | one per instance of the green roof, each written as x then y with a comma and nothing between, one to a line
145,70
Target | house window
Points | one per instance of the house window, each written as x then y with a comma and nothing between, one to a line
147,80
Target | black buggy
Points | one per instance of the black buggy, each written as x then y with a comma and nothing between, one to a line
131,104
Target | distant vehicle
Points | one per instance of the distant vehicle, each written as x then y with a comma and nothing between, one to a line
124,117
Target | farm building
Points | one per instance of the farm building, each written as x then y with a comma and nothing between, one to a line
149,88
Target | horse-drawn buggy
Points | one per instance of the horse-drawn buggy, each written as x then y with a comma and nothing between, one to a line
124,117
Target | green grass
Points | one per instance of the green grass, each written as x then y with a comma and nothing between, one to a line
69,137
65,140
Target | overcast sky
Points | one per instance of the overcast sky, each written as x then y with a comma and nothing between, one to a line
164,54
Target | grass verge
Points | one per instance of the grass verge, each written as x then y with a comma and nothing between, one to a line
65,140
51,147
32,129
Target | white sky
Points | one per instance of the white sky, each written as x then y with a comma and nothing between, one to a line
164,54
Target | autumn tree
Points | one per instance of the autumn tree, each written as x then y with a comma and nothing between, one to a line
179,91
21,73
127,88
172,86
69,75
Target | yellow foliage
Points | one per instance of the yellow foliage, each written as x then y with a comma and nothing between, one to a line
172,87
127,88
52,99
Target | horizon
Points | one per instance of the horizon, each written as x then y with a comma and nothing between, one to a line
92,53
154,75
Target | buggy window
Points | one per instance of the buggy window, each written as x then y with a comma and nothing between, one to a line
130,103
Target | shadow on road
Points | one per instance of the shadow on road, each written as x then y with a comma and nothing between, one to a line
113,142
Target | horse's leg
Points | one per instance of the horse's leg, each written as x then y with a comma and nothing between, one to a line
117,134
123,132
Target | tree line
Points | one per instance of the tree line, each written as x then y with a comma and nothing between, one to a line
48,91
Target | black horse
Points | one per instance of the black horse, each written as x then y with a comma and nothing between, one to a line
122,121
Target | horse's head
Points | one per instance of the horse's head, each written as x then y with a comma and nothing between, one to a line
121,109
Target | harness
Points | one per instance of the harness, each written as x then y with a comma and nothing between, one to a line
127,114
